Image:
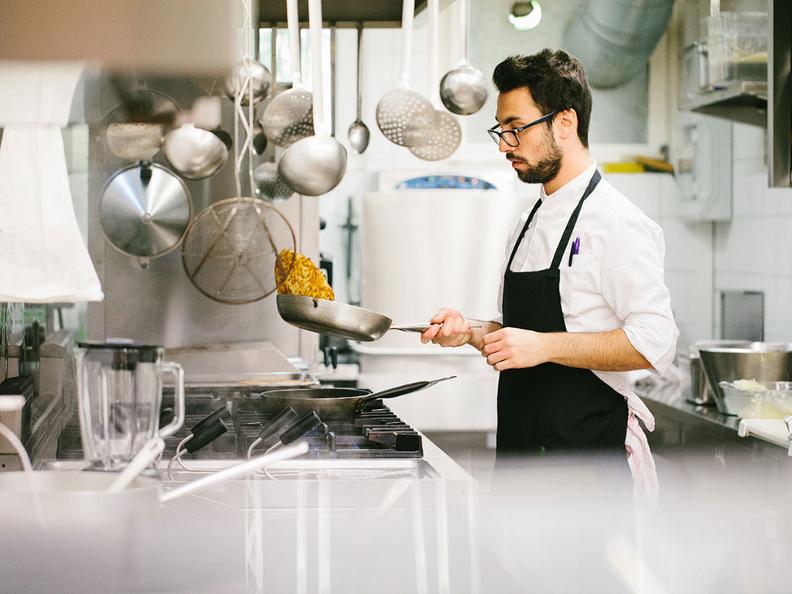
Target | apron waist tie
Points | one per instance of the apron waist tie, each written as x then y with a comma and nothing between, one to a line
640,461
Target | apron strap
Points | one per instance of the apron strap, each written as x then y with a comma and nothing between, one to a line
562,245
522,233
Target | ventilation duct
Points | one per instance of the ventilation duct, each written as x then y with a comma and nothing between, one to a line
614,38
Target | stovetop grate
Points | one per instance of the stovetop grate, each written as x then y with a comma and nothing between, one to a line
376,432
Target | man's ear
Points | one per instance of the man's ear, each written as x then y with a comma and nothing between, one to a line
566,124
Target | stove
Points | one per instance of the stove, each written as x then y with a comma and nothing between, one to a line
375,432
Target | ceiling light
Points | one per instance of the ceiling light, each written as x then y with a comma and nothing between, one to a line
525,15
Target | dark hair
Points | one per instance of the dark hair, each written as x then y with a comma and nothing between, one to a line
556,80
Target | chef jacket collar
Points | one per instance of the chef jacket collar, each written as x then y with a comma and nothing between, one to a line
572,190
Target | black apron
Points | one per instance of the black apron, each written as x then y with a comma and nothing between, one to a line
551,407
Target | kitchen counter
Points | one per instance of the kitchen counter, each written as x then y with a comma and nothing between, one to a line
684,427
374,525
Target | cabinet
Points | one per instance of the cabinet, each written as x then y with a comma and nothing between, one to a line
728,71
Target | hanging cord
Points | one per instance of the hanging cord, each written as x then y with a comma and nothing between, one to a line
242,150
17,445
177,456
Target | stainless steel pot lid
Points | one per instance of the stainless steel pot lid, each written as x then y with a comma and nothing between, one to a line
145,210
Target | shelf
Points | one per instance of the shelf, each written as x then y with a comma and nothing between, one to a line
742,101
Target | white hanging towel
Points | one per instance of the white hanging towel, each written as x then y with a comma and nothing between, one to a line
43,258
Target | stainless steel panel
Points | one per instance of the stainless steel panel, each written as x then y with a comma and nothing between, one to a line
779,104
742,315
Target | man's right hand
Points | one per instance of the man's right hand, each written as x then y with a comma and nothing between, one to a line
449,329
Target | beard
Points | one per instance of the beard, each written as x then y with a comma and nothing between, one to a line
546,168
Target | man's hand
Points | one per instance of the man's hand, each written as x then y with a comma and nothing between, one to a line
449,329
514,348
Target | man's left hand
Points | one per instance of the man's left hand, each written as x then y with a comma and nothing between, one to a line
514,348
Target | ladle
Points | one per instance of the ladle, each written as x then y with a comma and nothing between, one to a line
358,133
315,165
463,90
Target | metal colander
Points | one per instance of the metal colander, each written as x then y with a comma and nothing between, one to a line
135,129
269,184
288,117
231,249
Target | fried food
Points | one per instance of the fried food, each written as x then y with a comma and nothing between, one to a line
302,278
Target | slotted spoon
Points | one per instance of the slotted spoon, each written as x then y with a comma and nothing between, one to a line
405,116
445,133
289,116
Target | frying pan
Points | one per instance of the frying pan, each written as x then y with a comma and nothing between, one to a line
334,403
338,319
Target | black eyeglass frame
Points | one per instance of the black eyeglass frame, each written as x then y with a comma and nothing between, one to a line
496,135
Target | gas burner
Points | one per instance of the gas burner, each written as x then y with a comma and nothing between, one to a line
375,432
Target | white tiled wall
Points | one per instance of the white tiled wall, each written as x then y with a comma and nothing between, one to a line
752,251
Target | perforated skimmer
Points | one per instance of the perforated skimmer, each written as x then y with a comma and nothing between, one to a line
405,116
446,134
231,248
289,116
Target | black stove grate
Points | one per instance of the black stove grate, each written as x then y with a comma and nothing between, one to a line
376,432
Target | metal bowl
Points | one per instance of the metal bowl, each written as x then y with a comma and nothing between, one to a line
260,80
762,361
195,153
699,390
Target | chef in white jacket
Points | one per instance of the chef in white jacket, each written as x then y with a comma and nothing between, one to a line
583,298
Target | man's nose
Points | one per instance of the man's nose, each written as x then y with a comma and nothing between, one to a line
503,147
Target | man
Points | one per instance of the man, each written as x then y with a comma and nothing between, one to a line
582,297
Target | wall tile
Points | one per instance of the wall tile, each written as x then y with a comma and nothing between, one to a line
778,311
692,311
688,245
749,142
642,189
749,245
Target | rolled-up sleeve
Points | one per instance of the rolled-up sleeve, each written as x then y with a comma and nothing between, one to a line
633,284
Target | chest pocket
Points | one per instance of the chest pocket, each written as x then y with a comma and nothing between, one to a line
580,279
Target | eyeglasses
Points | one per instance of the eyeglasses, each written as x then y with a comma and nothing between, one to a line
510,136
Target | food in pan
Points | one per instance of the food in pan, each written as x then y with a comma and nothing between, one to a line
303,277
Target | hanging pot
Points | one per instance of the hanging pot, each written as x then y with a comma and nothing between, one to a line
145,211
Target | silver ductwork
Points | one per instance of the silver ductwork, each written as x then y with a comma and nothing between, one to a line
614,38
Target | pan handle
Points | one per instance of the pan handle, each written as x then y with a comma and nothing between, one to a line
400,390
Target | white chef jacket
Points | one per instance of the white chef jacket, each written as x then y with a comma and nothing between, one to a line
616,281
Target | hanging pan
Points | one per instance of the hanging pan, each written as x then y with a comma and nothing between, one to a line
145,210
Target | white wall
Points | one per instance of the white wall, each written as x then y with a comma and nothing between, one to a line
753,251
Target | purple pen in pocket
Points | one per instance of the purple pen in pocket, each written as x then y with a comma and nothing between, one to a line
574,250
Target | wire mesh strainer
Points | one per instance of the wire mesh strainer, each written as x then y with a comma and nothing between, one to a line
405,116
289,116
231,249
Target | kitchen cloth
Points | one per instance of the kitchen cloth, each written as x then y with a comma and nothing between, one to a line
43,258
639,456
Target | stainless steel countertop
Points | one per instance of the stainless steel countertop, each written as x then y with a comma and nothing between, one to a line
675,395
